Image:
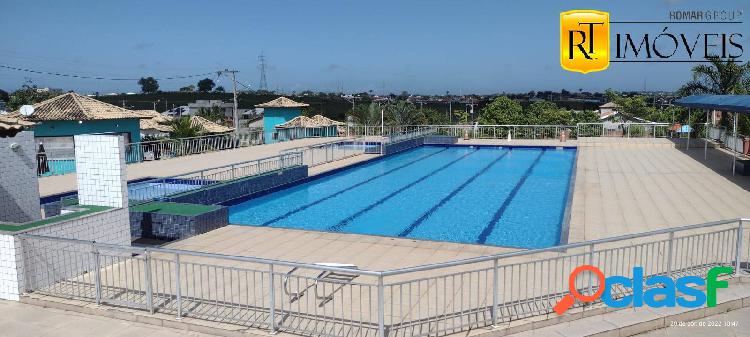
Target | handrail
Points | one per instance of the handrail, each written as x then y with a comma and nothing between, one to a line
214,168
397,271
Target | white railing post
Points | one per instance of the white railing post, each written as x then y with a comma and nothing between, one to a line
149,288
97,274
738,254
272,300
494,292
381,307
178,285
669,254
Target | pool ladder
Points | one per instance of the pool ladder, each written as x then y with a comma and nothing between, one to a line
326,276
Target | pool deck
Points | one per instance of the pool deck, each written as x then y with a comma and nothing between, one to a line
622,186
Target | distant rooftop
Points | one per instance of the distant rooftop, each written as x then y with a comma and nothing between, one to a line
282,102
74,107
316,121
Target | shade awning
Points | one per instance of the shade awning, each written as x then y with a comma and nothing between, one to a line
730,103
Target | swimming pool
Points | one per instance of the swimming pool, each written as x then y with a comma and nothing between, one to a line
505,196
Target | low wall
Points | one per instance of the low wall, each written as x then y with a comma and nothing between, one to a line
176,226
389,149
241,187
38,264
440,140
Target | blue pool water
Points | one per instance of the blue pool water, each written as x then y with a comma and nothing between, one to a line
496,196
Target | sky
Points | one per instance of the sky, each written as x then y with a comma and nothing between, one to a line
428,47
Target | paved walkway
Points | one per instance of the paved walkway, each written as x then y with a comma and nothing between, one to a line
25,320
164,168
733,323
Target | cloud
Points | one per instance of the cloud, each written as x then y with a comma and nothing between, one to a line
142,45
333,67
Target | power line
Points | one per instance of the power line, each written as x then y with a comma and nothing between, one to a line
97,77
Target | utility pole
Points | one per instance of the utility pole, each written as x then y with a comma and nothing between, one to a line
235,116
263,84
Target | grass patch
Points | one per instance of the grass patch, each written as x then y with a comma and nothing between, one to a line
174,208
55,219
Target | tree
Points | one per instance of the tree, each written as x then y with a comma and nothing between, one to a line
718,77
219,89
205,85
189,88
502,110
365,114
183,127
435,117
213,113
4,95
28,95
547,113
149,85
403,113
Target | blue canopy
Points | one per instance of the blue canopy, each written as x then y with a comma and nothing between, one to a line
730,103
685,129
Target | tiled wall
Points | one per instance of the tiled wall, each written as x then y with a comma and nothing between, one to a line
19,188
100,170
241,188
43,256
9,261
440,140
389,149
171,227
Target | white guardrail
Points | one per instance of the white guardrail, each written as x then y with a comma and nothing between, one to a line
319,154
332,300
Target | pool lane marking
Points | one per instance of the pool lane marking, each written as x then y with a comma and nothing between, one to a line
500,211
348,220
450,196
304,207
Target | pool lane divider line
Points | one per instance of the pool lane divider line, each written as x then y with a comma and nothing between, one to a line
304,207
450,196
348,220
500,211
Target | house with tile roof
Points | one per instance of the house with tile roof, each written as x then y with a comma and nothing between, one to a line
276,112
60,118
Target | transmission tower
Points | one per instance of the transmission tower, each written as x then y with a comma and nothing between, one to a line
263,84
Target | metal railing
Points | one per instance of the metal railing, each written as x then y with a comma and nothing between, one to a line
327,152
434,299
625,130
171,148
419,131
163,187
503,131
720,133
62,160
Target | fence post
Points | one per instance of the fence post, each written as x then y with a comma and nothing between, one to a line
149,289
272,300
178,285
669,254
97,274
591,262
738,256
232,171
381,307
494,292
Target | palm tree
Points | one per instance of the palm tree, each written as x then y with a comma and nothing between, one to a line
366,114
404,113
183,127
718,77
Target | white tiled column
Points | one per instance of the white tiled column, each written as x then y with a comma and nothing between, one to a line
10,287
100,170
